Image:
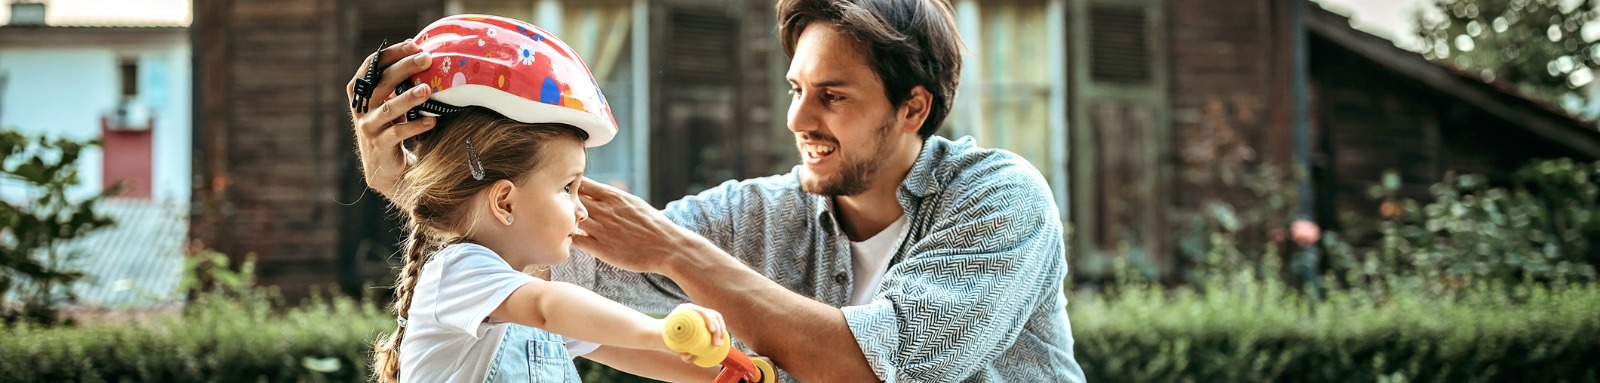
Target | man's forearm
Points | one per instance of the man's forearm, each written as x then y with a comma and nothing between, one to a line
806,338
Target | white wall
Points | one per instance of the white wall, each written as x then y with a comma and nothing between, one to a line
63,91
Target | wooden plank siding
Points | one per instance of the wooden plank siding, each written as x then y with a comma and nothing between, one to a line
274,159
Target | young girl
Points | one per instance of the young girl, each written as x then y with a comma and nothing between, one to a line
493,192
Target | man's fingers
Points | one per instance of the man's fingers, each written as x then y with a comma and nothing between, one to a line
586,243
598,190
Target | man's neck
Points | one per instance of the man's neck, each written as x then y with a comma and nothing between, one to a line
863,215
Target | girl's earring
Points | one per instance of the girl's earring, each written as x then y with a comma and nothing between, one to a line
508,220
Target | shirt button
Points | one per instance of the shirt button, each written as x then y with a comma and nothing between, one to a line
840,278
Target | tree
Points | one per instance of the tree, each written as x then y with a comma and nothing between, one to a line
1535,44
32,230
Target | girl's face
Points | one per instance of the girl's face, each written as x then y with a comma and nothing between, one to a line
548,210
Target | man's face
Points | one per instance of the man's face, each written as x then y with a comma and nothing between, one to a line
839,113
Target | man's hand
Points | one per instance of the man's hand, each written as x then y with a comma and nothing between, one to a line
625,231
380,131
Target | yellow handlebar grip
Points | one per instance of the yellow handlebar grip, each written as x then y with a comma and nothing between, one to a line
769,374
685,331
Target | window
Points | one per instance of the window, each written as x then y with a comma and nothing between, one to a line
1013,82
128,71
1119,131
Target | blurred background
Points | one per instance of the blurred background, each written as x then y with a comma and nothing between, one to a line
1169,130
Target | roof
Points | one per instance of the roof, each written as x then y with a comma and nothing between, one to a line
138,261
1498,98
102,13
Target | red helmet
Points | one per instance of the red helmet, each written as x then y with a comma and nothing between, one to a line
514,68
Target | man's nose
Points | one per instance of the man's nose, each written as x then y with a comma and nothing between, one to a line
802,115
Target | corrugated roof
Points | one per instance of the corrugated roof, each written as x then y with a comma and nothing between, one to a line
138,262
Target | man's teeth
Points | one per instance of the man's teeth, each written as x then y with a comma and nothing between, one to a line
819,150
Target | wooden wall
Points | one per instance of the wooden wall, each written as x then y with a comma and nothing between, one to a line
275,170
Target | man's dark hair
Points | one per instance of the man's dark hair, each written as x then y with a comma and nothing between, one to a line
909,43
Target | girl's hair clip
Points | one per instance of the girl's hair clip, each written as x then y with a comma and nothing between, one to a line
473,165
401,321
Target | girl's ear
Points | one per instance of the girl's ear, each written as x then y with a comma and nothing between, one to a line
500,201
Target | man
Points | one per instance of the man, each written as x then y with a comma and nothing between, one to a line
889,254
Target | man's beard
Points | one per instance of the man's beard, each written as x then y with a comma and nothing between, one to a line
857,168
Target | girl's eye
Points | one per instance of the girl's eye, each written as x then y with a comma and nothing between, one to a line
794,92
830,97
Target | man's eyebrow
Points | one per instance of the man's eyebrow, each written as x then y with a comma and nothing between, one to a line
822,84
830,83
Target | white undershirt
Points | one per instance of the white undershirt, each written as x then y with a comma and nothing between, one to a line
870,259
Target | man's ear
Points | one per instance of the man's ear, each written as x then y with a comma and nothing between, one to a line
915,109
500,202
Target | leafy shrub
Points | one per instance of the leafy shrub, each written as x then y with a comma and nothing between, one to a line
32,264
1245,330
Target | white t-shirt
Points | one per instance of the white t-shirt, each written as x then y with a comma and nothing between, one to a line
870,260
449,336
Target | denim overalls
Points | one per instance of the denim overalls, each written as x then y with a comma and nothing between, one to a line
528,354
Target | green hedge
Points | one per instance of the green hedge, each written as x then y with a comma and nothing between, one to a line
1261,333
216,339
1256,332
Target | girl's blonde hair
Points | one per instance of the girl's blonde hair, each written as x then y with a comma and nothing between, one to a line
435,194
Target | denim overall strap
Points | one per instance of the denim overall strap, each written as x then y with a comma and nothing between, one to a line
528,354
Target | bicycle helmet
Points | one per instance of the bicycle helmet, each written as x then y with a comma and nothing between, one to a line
514,68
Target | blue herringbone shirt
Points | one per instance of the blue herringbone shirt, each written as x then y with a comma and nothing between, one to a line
973,293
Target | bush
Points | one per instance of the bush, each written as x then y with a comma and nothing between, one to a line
32,264
230,331
1239,331
1243,330
1542,228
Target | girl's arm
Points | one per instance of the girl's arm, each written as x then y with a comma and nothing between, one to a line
653,365
576,312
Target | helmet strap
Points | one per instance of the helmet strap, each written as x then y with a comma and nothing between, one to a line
363,89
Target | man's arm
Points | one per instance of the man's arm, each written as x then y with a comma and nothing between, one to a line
805,338
961,296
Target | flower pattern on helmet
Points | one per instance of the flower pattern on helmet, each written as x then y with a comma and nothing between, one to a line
525,54
519,59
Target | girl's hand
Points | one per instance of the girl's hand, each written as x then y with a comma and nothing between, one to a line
380,129
714,326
